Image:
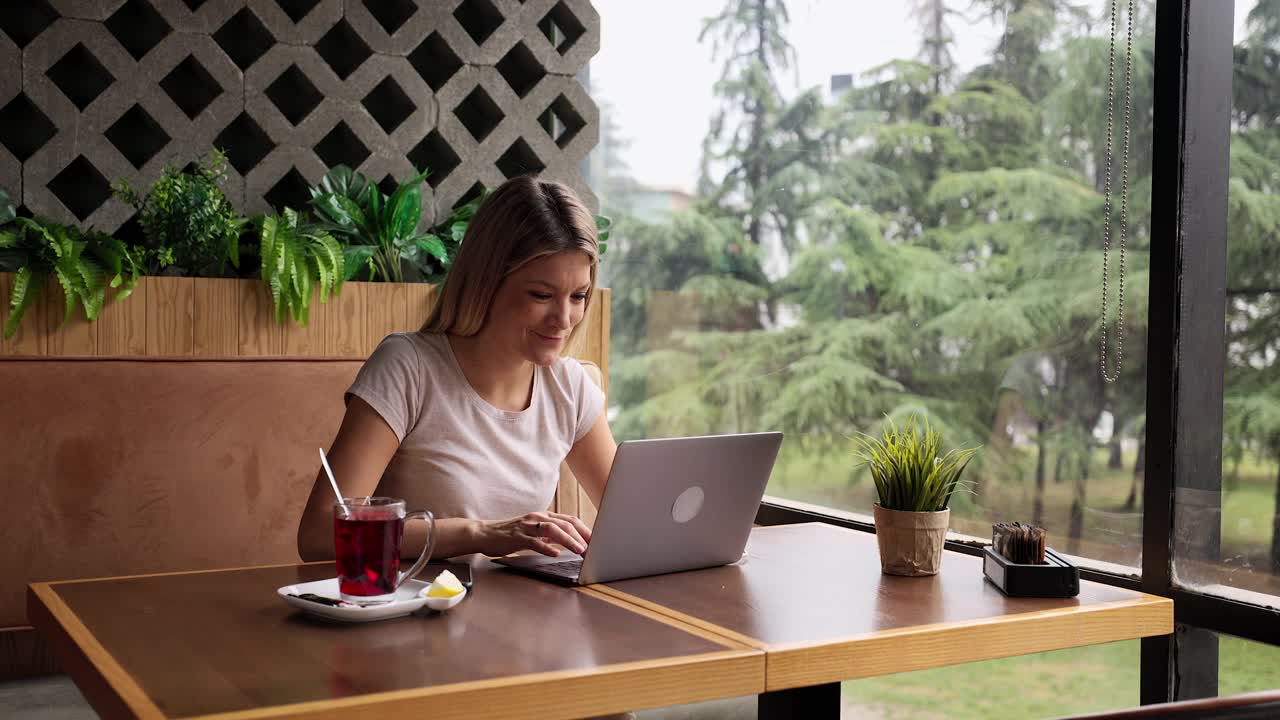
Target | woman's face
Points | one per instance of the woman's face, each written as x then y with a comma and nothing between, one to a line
537,306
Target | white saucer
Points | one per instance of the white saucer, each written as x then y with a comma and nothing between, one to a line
409,597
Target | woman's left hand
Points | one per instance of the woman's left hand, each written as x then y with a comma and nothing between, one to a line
538,531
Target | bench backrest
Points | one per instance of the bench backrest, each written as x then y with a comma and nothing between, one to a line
119,467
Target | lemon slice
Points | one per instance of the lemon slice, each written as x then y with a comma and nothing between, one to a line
446,585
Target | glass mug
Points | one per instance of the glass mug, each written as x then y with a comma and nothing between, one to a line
366,542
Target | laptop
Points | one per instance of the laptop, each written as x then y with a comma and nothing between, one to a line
669,505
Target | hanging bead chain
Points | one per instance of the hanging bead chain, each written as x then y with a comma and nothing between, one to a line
1124,194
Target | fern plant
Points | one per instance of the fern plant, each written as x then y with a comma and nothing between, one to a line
909,469
85,265
297,254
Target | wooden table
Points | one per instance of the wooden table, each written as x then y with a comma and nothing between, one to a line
812,597
807,609
222,644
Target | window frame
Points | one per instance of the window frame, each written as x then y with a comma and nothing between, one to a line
1194,45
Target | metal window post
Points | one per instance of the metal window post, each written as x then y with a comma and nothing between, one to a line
1187,316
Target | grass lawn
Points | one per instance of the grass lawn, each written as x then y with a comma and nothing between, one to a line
1044,685
824,473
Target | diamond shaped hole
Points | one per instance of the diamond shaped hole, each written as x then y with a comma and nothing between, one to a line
561,121
138,27
479,18
23,21
561,27
388,184
131,232
521,69
137,136
80,187
341,147
343,48
476,191
80,76
294,95
191,87
391,14
244,142
291,191
297,9
388,104
435,61
519,159
435,154
478,113
26,128
244,38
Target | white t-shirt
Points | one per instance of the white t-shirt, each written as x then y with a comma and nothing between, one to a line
459,456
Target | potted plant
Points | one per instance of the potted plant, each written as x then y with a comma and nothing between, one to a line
914,482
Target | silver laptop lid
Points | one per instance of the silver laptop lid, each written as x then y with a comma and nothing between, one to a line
679,504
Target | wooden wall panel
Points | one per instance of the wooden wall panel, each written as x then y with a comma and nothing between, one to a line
122,326
216,304
74,337
307,340
258,333
421,298
30,335
345,334
227,317
602,359
170,316
386,312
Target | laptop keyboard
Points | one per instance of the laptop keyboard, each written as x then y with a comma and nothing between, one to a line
566,569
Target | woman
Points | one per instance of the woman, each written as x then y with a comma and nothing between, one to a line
471,416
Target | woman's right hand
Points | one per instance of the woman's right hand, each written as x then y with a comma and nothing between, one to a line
538,531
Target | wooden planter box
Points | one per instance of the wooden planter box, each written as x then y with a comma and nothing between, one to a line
210,317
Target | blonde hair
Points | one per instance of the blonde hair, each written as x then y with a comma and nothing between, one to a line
523,220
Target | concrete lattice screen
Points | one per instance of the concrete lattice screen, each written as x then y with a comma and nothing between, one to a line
476,90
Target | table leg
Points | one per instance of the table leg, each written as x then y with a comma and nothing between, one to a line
817,701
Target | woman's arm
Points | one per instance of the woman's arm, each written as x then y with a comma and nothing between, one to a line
361,451
591,458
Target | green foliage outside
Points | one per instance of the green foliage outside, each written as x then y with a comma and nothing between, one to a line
929,242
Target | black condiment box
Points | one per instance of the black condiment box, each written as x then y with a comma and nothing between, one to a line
1055,578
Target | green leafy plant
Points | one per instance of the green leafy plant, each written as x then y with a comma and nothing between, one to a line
297,254
909,468
187,219
381,231
85,265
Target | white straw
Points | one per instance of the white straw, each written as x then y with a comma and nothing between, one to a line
334,483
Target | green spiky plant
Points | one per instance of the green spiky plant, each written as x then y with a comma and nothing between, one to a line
85,265
909,469
297,254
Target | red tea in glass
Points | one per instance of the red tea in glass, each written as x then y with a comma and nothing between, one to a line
366,539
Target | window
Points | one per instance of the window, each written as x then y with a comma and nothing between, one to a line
842,212
1232,534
